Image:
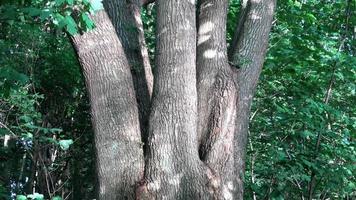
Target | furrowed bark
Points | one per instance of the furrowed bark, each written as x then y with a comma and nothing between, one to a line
126,17
248,53
216,94
173,168
114,109
243,13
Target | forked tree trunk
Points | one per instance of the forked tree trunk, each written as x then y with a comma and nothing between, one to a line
200,104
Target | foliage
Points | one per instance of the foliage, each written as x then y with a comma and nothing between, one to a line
44,112
72,16
311,53
148,15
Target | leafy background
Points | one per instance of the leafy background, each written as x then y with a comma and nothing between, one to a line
301,140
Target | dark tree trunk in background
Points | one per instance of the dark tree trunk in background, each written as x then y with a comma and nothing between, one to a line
195,124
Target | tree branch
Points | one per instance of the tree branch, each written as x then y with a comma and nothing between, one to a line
127,14
113,108
216,93
245,8
248,53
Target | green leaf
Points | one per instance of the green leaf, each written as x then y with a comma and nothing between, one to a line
71,26
89,24
298,4
22,18
305,177
54,130
64,144
281,155
3,131
21,197
96,5
36,196
311,17
25,118
59,20
57,198
306,134
28,136
59,2
309,164
10,74
32,11
45,14
70,2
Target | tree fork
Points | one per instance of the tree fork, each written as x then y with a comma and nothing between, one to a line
200,104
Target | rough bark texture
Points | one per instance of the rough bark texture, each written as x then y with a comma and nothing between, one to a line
114,110
217,95
173,168
126,17
198,122
247,53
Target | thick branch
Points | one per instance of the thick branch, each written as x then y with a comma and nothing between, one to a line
126,17
248,53
245,8
216,94
211,55
173,168
119,152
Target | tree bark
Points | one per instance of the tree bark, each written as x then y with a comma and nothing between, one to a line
247,53
114,110
173,168
197,127
126,18
217,94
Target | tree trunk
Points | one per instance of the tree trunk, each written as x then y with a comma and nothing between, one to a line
126,18
247,52
200,105
217,95
114,110
173,168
